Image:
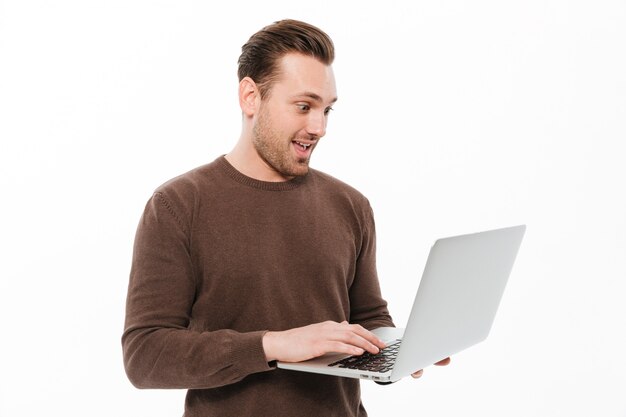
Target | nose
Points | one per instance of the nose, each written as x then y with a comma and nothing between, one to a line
316,124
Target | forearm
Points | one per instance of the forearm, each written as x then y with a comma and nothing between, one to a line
161,347
180,358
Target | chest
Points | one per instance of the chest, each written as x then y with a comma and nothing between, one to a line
276,259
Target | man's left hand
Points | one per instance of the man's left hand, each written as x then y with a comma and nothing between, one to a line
442,362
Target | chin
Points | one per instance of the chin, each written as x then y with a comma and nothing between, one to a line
301,168
296,172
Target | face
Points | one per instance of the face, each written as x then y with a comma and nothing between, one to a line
293,117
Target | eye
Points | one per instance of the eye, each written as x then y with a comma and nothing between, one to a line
303,107
327,110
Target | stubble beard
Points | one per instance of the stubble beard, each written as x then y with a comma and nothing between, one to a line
276,151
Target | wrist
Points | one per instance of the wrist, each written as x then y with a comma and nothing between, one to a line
269,342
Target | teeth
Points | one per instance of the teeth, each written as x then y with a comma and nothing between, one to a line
304,145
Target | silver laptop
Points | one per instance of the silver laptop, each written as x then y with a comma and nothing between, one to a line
454,308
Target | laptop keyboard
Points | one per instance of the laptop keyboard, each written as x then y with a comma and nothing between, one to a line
381,362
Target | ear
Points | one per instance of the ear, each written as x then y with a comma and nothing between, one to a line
248,96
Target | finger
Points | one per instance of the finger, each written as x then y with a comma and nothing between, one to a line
348,337
417,374
339,347
365,340
443,362
343,338
367,335
355,335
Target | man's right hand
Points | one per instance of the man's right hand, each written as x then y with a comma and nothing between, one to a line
317,339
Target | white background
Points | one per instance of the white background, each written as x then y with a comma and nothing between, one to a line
453,117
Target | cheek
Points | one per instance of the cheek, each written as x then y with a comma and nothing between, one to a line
284,124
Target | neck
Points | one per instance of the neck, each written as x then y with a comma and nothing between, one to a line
245,159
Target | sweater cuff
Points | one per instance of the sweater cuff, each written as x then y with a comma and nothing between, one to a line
251,356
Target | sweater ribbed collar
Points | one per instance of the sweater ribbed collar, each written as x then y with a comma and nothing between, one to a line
232,172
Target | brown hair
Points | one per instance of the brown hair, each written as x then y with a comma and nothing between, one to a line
260,55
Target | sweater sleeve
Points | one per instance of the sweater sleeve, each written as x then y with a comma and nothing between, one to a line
367,306
160,349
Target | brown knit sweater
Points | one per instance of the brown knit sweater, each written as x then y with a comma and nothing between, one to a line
221,258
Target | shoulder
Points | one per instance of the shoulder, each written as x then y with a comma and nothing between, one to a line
181,195
341,197
342,200
190,183
337,187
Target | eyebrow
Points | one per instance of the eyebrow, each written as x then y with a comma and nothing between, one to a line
314,97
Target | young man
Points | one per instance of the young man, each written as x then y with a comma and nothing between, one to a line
255,257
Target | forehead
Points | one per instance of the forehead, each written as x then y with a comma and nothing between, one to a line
302,75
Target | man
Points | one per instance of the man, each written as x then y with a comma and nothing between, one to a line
255,257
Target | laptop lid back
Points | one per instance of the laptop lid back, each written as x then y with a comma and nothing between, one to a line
458,296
